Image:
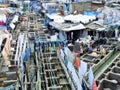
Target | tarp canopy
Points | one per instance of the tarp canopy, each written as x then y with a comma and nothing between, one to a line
94,26
101,29
76,27
67,26
79,18
73,18
56,18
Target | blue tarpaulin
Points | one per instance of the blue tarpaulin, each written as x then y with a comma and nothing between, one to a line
51,11
27,54
90,13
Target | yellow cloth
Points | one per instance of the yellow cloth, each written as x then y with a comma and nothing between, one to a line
103,51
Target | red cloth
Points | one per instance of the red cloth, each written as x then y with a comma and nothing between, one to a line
91,80
2,23
77,62
94,86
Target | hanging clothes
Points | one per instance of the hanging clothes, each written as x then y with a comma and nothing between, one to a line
62,54
52,46
76,80
65,60
83,68
5,51
20,40
69,54
86,71
91,80
4,34
27,54
83,85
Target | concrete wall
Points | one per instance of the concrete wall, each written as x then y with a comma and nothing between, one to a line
80,6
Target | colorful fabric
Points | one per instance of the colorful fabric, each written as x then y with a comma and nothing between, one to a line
76,80
94,86
77,62
91,80
85,71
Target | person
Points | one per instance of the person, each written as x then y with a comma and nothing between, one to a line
77,62
81,50
102,50
90,46
94,53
